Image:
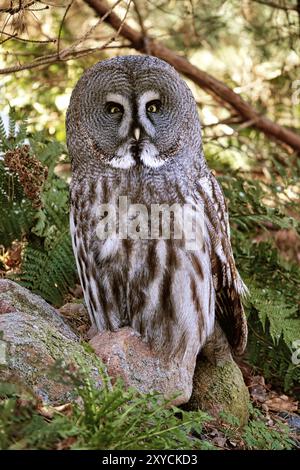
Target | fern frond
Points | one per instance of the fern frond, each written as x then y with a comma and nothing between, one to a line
3,136
22,131
50,273
11,126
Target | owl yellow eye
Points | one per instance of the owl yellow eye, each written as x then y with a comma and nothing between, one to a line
114,108
153,106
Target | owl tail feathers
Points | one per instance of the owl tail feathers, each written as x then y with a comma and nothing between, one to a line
231,317
241,287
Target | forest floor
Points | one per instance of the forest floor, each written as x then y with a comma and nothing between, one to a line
271,404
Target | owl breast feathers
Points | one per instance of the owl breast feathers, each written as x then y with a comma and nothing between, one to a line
134,137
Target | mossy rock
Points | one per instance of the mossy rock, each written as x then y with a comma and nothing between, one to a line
220,388
33,337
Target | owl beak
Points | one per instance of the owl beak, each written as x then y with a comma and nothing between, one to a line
137,133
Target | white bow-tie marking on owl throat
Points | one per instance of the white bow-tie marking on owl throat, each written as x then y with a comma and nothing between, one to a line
148,155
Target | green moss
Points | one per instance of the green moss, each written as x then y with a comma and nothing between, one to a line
220,389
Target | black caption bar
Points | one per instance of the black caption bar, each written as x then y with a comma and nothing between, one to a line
141,459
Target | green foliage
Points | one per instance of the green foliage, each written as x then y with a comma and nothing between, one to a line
49,273
273,306
115,418
14,136
48,267
16,214
250,204
108,418
258,436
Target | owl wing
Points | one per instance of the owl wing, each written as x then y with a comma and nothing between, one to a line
228,284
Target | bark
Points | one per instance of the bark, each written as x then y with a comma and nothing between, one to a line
210,84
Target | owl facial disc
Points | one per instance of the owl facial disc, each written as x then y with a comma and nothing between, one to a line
133,112
136,131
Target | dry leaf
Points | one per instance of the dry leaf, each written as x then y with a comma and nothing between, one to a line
66,409
282,403
66,443
46,411
257,389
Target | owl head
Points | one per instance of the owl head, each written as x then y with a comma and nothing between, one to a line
130,112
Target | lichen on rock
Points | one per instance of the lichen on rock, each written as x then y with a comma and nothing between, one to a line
220,388
34,338
126,355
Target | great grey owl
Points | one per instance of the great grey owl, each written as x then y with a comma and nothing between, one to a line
133,130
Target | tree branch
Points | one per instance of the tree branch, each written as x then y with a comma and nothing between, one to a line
61,25
71,52
201,78
17,38
277,5
13,11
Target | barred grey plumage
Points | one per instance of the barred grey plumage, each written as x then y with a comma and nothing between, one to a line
171,295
